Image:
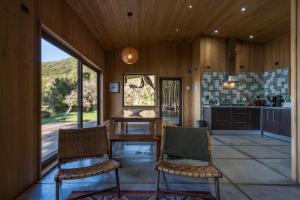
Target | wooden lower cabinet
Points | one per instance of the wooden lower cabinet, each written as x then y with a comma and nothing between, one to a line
232,118
277,121
273,120
270,120
285,123
221,119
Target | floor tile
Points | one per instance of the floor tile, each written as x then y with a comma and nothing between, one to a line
234,140
261,192
226,152
216,142
262,152
249,171
283,149
281,165
268,141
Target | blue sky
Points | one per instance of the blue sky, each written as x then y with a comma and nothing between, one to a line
51,52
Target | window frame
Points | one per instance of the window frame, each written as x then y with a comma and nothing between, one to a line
155,92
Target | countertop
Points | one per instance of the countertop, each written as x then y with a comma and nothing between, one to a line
243,106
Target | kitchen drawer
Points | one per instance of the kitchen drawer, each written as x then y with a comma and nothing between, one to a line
221,119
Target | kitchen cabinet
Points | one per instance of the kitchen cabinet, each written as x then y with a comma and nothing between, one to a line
285,122
221,119
255,116
277,52
213,54
240,118
232,118
250,57
277,121
270,120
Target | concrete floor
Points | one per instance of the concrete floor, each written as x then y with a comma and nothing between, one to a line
254,167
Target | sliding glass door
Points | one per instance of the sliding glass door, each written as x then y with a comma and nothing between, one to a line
90,107
69,95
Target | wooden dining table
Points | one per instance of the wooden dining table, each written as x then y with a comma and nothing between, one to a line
152,117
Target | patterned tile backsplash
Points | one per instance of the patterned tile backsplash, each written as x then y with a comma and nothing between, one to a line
252,84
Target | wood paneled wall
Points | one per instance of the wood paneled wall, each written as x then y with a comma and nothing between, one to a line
196,80
278,52
19,82
19,139
58,17
165,59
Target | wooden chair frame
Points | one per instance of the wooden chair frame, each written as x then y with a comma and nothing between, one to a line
216,179
61,161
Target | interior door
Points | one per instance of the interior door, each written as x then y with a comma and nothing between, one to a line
171,100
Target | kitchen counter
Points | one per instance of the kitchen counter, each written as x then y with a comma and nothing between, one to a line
275,120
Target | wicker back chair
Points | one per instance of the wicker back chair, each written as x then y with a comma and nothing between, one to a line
80,144
188,143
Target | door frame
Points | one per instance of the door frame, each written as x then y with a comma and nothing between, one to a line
161,79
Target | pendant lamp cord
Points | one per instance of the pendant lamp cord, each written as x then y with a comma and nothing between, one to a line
129,14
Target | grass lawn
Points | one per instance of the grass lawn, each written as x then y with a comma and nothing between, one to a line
72,117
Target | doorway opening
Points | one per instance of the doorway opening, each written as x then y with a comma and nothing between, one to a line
171,100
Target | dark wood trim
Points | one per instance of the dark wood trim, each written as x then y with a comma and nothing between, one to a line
98,98
79,94
161,79
39,99
156,91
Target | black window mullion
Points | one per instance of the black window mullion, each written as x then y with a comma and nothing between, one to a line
80,95
98,98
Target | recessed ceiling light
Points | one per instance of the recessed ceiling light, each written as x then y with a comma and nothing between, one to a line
190,6
243,9
251,36
177,30
216,31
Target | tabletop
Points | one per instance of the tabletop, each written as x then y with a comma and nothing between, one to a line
136,115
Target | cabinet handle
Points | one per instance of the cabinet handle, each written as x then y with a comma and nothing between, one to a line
267,115
273,115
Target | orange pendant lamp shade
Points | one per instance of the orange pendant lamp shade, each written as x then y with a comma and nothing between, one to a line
130,55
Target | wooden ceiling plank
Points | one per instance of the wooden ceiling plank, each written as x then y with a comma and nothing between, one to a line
156,21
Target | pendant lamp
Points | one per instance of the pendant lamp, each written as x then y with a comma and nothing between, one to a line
129,55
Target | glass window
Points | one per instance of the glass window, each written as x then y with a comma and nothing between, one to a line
139,90
90,94
64,103
59,95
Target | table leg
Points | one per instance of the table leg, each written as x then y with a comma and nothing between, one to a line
151,127
110,149
158,127
112,127
158,150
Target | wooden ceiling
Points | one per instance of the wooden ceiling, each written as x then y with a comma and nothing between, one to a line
157,20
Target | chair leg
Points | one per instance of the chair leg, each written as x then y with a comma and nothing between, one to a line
217,189
157,185
118,183
58,183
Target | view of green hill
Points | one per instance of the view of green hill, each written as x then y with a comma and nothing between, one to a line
59,86
62,69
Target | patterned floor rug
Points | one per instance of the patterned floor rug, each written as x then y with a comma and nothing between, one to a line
142,195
